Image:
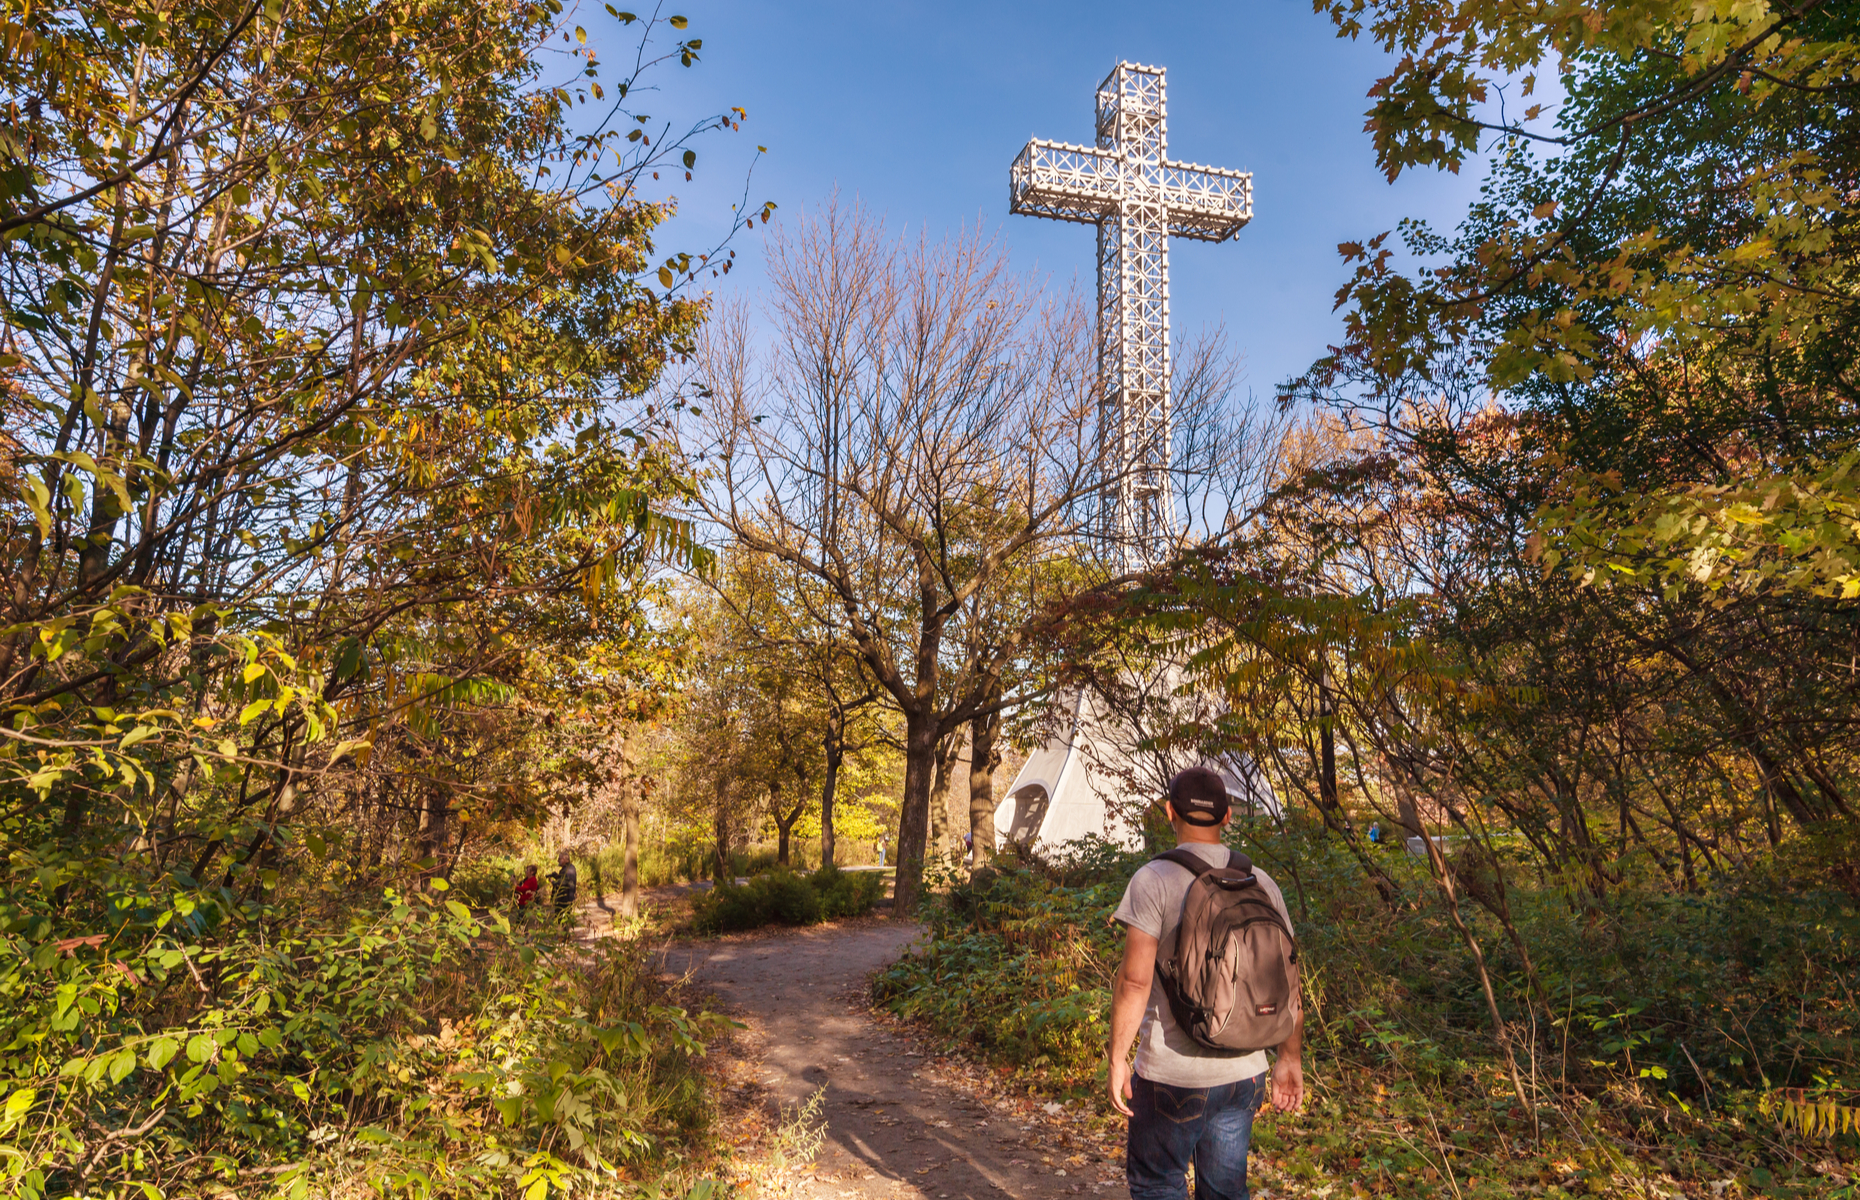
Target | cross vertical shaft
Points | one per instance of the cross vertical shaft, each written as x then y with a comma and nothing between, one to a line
1135,513
1127,186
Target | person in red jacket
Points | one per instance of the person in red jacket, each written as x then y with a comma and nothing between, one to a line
528,886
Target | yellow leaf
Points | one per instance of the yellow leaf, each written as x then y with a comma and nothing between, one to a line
40,501
16,1106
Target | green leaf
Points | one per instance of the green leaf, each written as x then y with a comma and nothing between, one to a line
122,1066
162,1052
251,712
677,22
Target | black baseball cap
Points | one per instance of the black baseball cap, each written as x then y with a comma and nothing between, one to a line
1199,796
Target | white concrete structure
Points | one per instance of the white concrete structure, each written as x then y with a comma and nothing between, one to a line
1089,780
1093,780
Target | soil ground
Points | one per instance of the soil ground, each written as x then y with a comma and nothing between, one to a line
900,1123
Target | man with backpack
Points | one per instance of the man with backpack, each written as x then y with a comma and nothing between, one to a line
1210,982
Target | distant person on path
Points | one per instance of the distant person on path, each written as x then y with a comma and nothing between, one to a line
528,886
1186,1101
562,884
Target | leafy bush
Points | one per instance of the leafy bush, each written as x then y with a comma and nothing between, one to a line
846,893
398,1045
1672,1019
1018,967
780,897
487,882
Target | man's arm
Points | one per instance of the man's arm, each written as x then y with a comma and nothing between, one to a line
1130,995
1288,1069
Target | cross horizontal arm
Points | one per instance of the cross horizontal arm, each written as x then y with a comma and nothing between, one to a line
1085,184
1206,204
1067,182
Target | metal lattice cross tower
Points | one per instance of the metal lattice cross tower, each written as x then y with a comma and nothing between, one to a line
1138,199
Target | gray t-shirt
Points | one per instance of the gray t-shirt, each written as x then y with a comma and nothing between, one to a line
1153,903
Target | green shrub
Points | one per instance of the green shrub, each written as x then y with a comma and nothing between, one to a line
486,882
780,897
846,893
777,898
1686,1000
398,1042
1019,968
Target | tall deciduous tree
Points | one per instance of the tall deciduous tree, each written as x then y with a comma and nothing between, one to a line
318,322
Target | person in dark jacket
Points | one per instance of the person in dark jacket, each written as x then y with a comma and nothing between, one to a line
562,885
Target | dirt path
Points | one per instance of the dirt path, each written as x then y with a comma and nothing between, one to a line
899,1126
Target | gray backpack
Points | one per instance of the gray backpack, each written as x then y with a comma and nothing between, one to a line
1232,982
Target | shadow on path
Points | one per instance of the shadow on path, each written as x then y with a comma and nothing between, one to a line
892,1131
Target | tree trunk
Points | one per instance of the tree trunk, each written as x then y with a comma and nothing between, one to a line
948,763
984,757
913,816
835,751
1408,812
434,810
1327,749
721,830
784,825
629,836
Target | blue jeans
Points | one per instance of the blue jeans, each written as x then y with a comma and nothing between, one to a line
1173,1126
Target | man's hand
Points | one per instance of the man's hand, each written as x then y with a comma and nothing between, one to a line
1120,1083
1288,1082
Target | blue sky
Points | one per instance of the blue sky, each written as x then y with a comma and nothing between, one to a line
917,108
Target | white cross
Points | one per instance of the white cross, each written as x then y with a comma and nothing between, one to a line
1138,199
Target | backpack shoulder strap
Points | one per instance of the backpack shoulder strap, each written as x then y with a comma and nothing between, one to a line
1185,858
1236,861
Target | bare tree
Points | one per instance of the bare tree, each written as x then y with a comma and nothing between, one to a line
920,441
923,420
